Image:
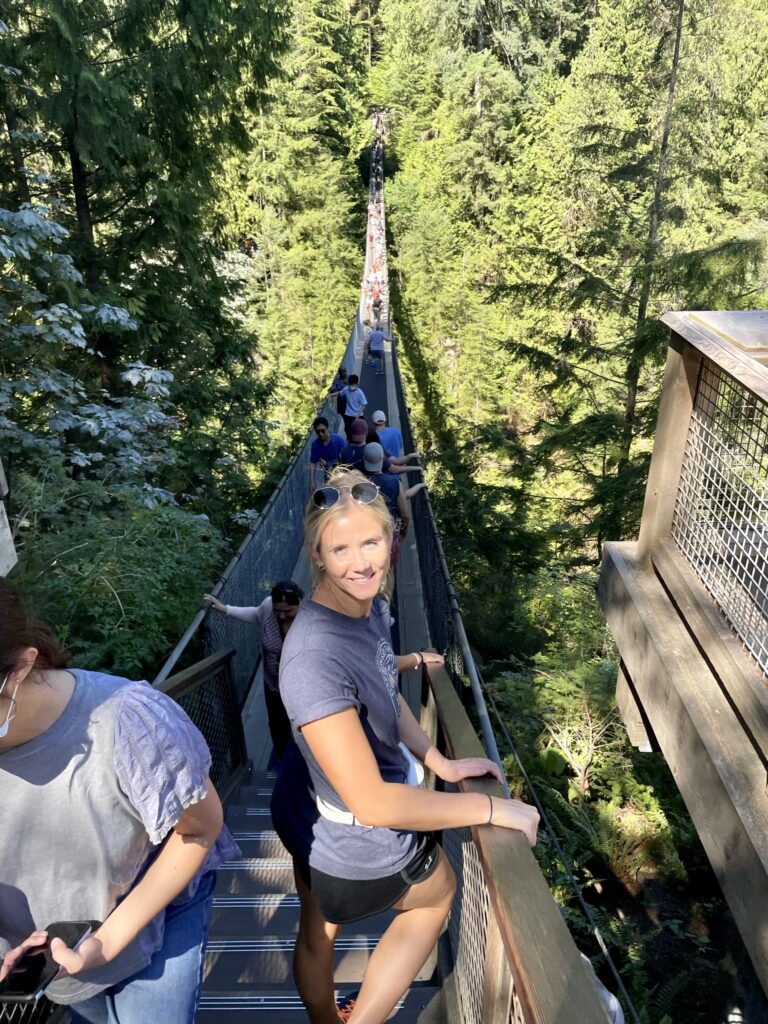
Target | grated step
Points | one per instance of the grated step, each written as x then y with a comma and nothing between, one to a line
255,791
256,875
259,842
422,1004
266,960
242,915
251,816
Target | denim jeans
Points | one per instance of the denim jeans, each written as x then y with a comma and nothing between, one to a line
168,988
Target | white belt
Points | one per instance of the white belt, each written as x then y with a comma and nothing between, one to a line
414,777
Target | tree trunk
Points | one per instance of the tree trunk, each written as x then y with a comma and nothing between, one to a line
651,252
17,159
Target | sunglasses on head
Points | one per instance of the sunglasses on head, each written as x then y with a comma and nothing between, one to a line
363,493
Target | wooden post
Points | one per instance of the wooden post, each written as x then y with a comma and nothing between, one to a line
683,362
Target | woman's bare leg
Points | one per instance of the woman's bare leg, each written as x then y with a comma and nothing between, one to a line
313,958
405,945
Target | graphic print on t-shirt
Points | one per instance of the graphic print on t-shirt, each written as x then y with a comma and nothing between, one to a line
387,666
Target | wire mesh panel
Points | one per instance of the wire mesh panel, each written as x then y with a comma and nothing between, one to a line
434,578
468,923
721,511
41,1013
213,707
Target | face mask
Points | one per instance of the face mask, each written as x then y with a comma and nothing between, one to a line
11,714
353,387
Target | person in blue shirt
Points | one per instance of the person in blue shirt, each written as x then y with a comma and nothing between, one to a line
390,438
324,453
376,348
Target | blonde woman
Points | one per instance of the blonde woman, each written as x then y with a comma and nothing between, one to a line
360,836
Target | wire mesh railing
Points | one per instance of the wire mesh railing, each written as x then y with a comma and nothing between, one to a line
721,511
207,693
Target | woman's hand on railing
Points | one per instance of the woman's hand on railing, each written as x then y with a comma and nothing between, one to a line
467,768
215,603
517,815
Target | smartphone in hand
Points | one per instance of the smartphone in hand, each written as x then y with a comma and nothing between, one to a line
33,973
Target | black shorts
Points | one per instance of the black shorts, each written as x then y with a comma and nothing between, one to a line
344,900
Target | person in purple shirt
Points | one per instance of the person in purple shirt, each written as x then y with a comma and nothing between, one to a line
361,833
325,451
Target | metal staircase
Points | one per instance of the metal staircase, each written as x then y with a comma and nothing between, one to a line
247,978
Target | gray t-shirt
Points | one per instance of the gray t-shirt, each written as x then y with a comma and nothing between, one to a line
85,806
332,662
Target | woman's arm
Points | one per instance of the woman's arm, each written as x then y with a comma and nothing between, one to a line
402,508
344,754
422,747
182,856
245,614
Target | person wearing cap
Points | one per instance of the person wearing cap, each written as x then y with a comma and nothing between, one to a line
355,403
274,617
390,438
352,454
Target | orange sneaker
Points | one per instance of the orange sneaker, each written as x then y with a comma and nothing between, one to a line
345,1011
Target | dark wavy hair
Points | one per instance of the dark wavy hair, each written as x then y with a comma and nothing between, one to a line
18,630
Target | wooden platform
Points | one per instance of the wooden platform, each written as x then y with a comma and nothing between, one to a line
707,706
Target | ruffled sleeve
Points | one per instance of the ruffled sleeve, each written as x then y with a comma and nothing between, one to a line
161,759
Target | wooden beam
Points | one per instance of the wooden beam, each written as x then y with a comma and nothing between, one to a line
677,397
633,716
549,977
716,767
177,685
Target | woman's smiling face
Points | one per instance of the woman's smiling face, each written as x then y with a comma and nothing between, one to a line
355,553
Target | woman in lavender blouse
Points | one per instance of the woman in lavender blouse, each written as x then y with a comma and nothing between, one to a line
108,814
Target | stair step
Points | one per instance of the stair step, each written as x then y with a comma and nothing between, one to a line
266,961
248,816
255,792
256,875
258,842
244,915
422,1004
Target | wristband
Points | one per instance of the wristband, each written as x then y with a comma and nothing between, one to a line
490,816
420,659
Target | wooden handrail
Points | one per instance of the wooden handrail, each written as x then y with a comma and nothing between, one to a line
177,685
550,979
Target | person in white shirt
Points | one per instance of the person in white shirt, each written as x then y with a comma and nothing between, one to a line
356,403
274,617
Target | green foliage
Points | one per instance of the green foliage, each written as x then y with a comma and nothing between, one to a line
292,204
117,580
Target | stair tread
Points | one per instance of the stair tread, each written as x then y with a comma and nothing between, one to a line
241,915
265,960
422,1004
